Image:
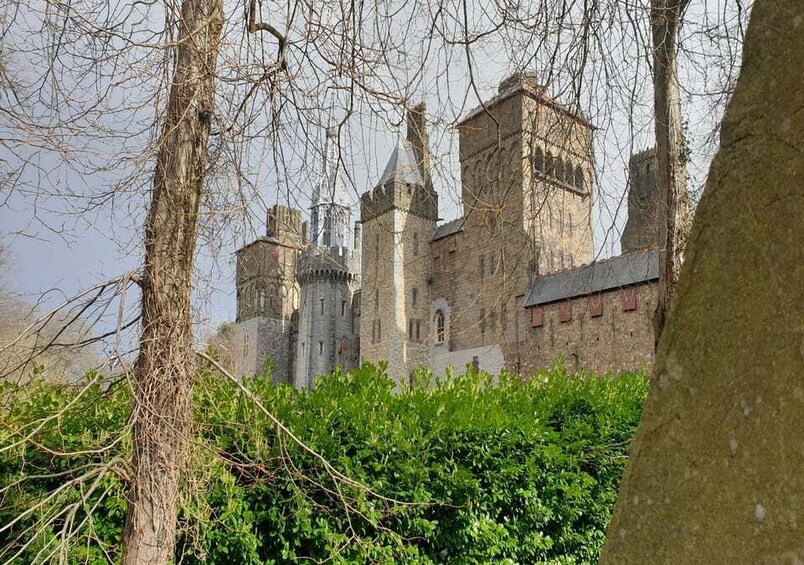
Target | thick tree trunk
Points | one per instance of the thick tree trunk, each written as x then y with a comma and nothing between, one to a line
162,409
674,213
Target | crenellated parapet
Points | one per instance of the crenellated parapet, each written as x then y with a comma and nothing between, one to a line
331,264
396,195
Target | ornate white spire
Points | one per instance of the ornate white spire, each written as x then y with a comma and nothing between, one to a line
331,207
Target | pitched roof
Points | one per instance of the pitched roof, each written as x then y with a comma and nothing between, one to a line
617,272
449,228
402,166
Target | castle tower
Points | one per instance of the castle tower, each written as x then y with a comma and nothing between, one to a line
268,296
399,217
329,278
642,228
526,193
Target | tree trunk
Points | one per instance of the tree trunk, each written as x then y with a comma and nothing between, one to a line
163,385
674,213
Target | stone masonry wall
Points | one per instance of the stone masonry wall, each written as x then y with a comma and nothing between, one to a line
258,339
615,340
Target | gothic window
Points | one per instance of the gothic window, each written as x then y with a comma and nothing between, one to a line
579,179
559,172
549,165
538,161
327,231
261,300
569,173
440,325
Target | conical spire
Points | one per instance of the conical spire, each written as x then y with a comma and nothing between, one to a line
402,166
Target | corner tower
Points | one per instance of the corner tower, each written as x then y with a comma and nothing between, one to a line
268,295
399,218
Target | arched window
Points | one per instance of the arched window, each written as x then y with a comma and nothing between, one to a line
559,173
261,300
549,165
579,179
569,173
538,161
440,325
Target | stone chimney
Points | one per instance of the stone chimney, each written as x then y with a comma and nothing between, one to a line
419,140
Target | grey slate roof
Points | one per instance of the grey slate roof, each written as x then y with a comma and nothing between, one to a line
402,166
617,272
448,229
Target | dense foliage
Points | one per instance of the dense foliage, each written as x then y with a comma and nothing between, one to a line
470,470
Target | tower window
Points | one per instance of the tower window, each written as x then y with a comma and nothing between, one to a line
482,321
415,244
414,297
376,299
538,160
343,308
579,179
261,300
322,306
320,347
482,266
440,325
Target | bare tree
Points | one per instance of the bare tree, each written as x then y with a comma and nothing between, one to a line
164,372
674,212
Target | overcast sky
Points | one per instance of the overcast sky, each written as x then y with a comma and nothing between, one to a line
52,250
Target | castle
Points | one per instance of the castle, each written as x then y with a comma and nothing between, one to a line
511,283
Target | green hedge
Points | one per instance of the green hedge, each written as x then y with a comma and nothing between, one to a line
487,470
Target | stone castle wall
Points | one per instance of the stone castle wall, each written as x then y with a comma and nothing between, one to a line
611,337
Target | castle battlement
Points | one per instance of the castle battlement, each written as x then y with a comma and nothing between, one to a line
395,195
328,263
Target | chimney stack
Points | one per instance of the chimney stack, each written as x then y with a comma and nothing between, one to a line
419,140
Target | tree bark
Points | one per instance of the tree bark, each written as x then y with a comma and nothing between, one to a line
674,212
163,384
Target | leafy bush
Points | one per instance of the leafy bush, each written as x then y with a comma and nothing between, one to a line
472,469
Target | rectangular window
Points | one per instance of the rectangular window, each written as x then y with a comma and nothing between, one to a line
374,331
565,312
414,297
415,244
379,331
322,306
536,317
482,266
376,299
482,321
343,307
596,306
320,347
418,330
629,299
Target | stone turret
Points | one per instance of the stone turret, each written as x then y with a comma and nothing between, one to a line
642,228
329,277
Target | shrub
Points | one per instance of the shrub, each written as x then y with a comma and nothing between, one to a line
471,469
